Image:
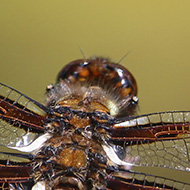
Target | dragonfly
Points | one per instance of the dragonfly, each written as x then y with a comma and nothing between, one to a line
87,135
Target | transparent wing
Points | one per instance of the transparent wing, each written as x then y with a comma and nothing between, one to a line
136,180
15,177
22,120
158,144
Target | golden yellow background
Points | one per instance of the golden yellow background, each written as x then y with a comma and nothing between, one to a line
38,37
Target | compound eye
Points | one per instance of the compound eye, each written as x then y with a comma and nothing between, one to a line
117,83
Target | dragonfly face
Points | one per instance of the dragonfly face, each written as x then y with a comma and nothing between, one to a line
87,137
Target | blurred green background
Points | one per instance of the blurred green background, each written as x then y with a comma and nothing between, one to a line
38,37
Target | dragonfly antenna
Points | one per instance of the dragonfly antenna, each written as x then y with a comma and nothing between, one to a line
123,57
82,52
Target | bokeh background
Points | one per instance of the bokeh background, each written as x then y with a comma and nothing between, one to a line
38,37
